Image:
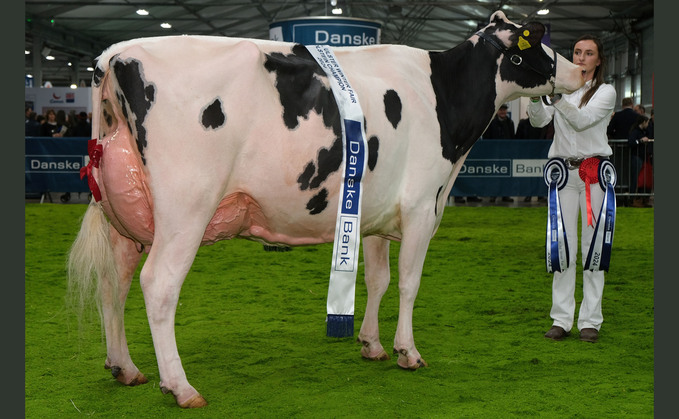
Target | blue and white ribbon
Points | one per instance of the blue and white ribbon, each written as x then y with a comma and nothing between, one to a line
341,291
599,255
556,246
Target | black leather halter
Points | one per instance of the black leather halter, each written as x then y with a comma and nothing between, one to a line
516,59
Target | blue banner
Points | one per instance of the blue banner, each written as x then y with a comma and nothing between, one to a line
504,168
323,30
53,164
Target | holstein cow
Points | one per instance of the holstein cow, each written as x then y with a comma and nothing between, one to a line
202,139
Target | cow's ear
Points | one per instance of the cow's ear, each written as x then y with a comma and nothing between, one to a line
530,35
498,17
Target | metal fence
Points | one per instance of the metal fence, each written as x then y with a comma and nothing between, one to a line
634,180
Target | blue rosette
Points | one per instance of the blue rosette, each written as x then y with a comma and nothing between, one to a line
556,246
599,254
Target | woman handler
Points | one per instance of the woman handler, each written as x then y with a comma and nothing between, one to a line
580,122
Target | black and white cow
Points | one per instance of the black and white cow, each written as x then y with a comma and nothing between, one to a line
201,139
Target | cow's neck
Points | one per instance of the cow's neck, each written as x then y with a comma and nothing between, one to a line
463,79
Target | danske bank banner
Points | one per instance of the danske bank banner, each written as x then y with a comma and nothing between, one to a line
336,32
503,168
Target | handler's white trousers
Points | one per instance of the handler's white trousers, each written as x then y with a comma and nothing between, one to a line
573,203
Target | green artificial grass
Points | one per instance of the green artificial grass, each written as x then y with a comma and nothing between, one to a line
250,329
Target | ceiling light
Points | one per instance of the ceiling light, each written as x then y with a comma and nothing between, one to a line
543,12
74,86
142,12
337,11
165,25
90,68
49,57
69,64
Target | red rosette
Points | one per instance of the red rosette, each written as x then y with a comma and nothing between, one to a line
589,173
95,151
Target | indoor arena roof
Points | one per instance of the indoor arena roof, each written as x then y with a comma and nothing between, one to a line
76,31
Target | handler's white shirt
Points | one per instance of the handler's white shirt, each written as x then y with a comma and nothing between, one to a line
578,132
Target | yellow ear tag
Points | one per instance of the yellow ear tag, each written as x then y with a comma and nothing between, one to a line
523,44
526,32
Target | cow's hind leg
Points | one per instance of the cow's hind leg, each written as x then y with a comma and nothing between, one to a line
416,236
178,233
376,258
100,267
114,294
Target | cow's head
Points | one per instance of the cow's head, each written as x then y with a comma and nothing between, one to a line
526,67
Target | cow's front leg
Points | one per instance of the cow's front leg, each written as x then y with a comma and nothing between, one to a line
376,259
164,272
416,237
114,292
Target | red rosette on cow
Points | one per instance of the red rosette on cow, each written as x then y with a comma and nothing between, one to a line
95,152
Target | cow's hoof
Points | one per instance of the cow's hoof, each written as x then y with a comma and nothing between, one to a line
194,402
136,380
381,356
124,378
409,363
372,352
415,365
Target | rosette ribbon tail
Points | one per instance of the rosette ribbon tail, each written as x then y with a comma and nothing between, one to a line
589,175
557,244
95,152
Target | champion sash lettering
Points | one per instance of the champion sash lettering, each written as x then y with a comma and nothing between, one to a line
341,290
556,245
599,255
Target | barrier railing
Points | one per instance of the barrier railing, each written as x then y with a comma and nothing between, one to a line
634,180
493,168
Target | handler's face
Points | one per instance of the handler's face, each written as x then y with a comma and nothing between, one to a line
586,55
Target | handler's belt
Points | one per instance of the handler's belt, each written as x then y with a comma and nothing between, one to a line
572,163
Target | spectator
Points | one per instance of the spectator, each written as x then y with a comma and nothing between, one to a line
525,131
500,128
640,109
32,125
640,151
70,124
622,121
82,127
51,128
63,121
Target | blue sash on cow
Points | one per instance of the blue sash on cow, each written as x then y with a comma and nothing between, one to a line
341,290
556,248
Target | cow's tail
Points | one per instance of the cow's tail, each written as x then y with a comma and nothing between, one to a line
90,261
